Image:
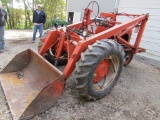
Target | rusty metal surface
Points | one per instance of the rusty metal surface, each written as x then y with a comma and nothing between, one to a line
31,85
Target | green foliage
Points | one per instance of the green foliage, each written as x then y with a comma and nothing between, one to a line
54,9
60,22
19,18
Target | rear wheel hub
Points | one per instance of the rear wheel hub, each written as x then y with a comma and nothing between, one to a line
101,71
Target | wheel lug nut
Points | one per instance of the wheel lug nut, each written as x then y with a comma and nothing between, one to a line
95,75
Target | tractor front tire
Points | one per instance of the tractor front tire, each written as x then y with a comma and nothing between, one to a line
49,55
98,69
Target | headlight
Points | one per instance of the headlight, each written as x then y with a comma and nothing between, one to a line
85,32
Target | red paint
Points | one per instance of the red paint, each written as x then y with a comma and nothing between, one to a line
101,71
115,30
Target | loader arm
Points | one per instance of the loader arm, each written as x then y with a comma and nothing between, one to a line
83,45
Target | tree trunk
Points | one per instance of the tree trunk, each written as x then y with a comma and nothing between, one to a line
29,19
12,16
25,6
9,16
33,6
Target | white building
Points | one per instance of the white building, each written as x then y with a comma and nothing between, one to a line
150,39
75,8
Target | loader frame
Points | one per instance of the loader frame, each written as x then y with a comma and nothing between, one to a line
117,31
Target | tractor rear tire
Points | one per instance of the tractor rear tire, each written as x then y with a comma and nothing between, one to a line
89,62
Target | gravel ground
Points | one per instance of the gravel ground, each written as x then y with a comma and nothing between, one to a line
136,95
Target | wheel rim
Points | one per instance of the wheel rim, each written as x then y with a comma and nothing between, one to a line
105,73
101,71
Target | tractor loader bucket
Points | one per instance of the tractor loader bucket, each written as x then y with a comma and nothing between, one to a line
31,84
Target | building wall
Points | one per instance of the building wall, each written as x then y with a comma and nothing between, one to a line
150,39
78,6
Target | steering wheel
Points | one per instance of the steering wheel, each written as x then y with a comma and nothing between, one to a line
81,31
96,15
91,7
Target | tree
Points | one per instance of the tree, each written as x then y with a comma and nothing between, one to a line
18,17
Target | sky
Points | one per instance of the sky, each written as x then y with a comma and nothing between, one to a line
18,5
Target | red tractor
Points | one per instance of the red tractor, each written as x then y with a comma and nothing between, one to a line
96,49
